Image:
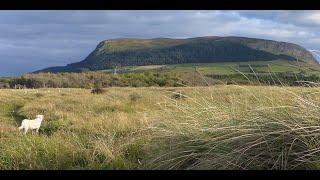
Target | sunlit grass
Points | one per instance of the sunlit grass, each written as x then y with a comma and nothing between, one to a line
241,128
218,127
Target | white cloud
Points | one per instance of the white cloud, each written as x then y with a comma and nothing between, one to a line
60,37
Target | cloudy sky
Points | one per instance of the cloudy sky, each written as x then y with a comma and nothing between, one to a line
32,40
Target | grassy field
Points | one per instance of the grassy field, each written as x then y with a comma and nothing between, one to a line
226,68
218,127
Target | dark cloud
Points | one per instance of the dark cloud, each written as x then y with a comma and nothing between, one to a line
31,40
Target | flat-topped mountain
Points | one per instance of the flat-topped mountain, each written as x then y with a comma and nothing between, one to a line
159,51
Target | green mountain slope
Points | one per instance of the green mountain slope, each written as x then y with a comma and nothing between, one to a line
159,51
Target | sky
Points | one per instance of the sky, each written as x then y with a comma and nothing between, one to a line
32,40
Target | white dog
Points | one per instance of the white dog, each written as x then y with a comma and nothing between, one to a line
27,124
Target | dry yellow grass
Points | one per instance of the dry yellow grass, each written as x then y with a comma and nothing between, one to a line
147,128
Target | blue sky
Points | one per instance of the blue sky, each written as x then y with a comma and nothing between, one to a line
32,40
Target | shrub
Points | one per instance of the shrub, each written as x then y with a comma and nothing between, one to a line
97,91
178,95
51,127
135,96
38,95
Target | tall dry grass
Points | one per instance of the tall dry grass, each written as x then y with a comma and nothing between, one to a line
240,127
219,127
80,130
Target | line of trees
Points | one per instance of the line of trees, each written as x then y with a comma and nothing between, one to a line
89,80
146,79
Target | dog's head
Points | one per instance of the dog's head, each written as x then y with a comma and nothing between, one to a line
40,116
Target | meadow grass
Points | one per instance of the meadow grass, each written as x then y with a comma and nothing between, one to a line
241,127
217,127
224,68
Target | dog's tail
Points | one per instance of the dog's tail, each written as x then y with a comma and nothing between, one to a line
21,127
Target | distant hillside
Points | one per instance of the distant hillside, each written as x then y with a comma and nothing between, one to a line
159,51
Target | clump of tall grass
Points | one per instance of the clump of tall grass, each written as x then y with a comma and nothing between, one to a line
38,95
135,96
178,95
241,128
97,90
